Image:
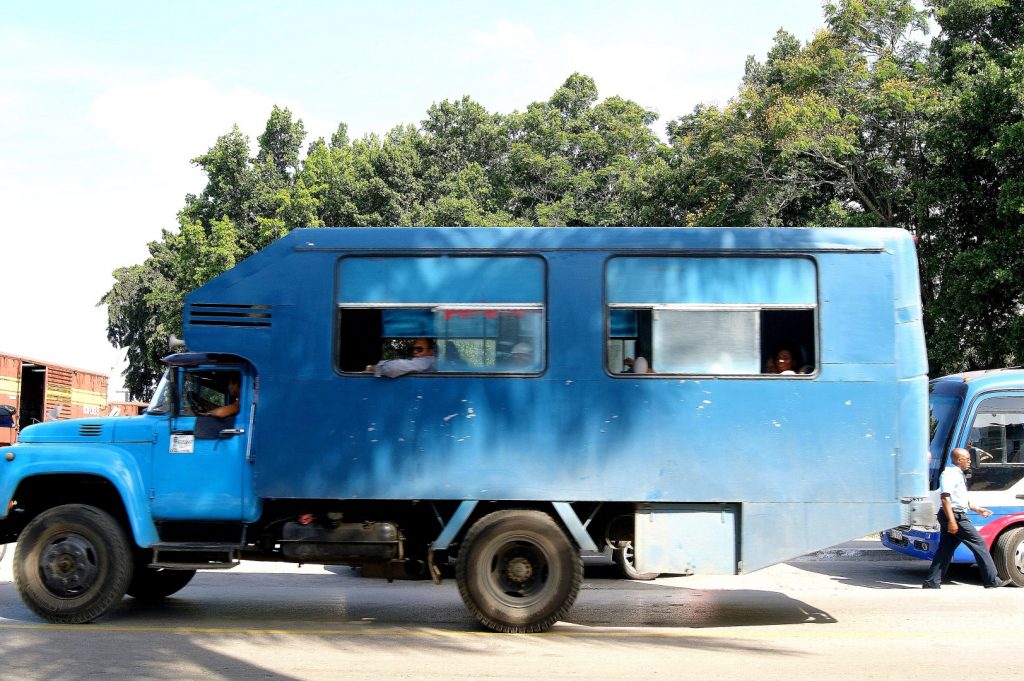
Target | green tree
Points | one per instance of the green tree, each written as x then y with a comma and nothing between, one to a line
144,307
574,161
972,205
281,142
829,132
134,323
860,126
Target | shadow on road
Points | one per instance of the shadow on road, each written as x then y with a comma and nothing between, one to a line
328,603
903,574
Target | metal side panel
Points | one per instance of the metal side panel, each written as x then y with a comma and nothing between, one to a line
687,538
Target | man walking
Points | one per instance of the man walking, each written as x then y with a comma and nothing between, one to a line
957,528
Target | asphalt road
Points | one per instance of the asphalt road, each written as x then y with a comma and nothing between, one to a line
841,613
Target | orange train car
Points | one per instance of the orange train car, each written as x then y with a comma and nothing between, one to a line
32,391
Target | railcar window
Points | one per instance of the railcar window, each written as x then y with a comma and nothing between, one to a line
712,315
484,314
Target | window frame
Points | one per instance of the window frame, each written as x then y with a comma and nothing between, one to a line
540,342
196,376
814,309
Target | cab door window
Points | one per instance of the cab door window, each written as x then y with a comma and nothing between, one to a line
204,391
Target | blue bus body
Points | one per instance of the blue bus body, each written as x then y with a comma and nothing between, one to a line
983,412
708,463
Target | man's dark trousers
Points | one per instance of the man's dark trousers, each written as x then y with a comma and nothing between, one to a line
968,534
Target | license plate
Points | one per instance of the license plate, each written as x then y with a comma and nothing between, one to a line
896,535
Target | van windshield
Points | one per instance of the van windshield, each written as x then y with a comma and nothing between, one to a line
944,401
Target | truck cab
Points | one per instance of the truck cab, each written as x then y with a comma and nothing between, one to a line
200,459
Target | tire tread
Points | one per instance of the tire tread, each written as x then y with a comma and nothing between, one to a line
524,516
120,565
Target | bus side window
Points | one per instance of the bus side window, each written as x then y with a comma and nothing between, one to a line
711,315
484,314
791,330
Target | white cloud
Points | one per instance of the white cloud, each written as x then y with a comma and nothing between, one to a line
10,109
669,78
170,121
507,37
120,179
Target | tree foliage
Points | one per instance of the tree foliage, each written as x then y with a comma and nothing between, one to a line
972,226
862,125
826,133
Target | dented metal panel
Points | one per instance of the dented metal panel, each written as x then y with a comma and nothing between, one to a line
687,539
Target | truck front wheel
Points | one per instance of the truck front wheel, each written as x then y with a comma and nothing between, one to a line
72,564
518,572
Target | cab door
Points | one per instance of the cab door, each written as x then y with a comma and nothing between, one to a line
200,471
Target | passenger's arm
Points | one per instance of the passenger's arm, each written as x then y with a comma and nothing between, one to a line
393,368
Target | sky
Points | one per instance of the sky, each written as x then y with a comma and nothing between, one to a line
103,104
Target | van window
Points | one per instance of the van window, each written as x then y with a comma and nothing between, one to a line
996,443
710,315
485,314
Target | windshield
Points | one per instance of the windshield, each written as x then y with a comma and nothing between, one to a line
944,401
161,402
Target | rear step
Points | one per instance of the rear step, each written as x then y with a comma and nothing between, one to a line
196,555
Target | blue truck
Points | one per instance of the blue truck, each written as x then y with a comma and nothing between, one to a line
719,400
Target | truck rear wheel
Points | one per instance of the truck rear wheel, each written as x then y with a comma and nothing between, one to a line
72,564
1009,556
518,572
624,558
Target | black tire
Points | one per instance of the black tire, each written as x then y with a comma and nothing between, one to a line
1008,554
623,557
518,572
72,564
153,584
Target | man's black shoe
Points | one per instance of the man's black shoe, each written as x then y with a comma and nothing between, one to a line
927,585
996,585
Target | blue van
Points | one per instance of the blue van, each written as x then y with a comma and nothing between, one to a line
982,412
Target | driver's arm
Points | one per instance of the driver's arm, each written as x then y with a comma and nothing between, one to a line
226,410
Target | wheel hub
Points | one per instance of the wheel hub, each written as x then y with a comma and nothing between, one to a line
519,570
68,566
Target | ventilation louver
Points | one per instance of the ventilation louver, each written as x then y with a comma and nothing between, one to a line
90,430
209,314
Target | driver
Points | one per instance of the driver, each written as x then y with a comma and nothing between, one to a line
229,409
